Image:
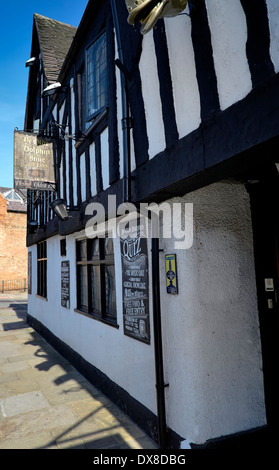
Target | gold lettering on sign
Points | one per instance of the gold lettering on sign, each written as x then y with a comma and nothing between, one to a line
33,161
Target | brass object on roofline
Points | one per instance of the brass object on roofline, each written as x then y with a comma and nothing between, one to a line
148,12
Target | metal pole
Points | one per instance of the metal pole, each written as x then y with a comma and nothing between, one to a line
125,110
158,347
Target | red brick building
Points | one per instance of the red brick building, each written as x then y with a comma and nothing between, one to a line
13,251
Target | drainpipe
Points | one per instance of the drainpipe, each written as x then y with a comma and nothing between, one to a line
158,349
125,109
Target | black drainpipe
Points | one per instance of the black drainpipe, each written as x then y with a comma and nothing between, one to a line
158,348
125,109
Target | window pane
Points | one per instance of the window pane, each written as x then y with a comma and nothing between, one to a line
42,269
82,101
44,279
96,76
83,286
110,290
96,289
81,251
94,248
108,246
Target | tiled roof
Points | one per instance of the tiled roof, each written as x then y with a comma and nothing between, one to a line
22,193
55,39
15,205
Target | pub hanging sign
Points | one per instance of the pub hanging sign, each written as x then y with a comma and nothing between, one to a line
135,288
33,162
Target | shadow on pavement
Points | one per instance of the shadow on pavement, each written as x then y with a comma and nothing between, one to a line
20,309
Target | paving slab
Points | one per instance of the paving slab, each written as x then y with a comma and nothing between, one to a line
9,367
7,349
18,387
36,422
37,441
23,403
45,403
5,378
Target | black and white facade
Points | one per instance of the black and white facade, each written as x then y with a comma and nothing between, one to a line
186,114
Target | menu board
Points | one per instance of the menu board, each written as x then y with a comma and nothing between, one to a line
65,284
135,288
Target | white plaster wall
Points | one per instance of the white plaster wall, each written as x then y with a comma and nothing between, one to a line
92,157
151,97
228,28
273,17
62,173
82,176
105,158
127,362
66,173
183,73
72,142
119,121
210,329
74,176
61,178
211,343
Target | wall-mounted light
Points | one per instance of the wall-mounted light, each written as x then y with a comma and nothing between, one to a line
32,61
148,12
52,89
32,226
33,223
59,207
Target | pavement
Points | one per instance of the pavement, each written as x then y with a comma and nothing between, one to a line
45,403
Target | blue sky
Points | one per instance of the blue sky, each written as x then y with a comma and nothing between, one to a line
15,47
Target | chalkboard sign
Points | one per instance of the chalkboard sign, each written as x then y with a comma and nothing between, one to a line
135,288
65,284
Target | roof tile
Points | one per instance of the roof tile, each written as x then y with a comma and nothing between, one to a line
55,39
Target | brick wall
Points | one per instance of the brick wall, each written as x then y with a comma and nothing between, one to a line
13,251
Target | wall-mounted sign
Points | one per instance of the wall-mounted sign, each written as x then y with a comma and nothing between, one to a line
269,285
30,272
65,284
33,162
135,288
171,274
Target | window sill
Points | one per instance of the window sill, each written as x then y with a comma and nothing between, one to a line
96,317
42,298
95,122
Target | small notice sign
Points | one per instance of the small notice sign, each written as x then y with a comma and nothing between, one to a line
65,284
171,274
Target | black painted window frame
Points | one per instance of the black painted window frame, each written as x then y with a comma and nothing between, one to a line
85,264
89,117
42,269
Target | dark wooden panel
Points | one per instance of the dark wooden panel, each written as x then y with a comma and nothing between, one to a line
258,42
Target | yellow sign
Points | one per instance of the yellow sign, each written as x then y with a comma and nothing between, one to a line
171,274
